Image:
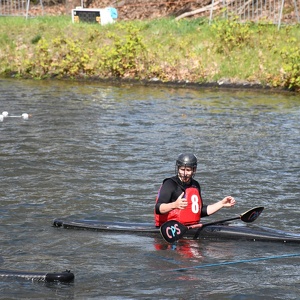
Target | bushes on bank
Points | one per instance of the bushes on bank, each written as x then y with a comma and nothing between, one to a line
166,50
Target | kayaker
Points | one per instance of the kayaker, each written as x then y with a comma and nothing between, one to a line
179,197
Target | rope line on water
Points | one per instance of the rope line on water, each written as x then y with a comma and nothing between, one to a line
236,262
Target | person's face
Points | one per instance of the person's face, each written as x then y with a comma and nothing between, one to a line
185,174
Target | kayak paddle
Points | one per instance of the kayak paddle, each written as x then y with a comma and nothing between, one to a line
173,230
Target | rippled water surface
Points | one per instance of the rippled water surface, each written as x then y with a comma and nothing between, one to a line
93,150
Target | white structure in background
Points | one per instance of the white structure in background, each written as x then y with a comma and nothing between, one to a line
16,7
102,16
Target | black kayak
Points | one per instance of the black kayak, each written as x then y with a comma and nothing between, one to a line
65,276
210,232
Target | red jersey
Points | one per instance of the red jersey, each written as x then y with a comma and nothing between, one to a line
190,215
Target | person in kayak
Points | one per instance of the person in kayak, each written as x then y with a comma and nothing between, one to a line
179,197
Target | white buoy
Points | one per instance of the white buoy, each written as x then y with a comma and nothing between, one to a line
25,116
5,114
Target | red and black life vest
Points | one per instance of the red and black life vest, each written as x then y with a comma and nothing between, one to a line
190,215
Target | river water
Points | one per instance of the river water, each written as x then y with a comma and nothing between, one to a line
98,151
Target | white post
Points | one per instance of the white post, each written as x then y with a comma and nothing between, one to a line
211,11
296,10
280,14
27,8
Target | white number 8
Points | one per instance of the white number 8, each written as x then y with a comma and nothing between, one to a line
195,204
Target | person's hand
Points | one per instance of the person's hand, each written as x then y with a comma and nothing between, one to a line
181,203
228,201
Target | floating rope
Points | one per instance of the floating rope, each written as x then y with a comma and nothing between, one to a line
225,263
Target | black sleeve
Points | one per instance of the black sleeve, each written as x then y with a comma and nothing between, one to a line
168,193
204,211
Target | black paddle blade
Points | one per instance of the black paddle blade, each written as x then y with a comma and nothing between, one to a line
252,214
172,231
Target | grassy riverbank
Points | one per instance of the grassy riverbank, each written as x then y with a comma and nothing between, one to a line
165,50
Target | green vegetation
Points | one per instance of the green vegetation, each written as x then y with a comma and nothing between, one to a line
165,49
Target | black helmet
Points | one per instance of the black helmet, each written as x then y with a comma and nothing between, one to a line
186,160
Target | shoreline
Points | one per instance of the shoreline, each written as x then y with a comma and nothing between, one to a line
217,85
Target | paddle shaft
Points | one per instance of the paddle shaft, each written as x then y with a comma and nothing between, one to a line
173,230
215,222
200,226
248,217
